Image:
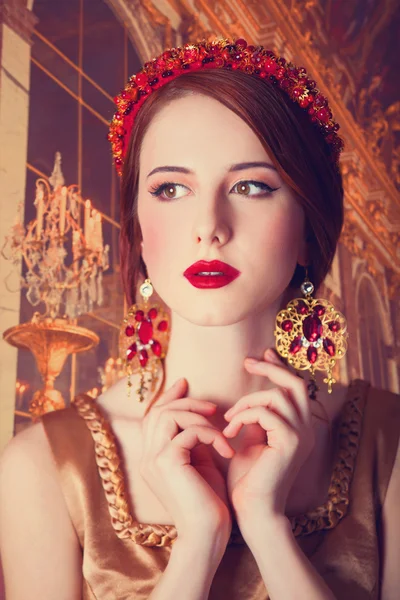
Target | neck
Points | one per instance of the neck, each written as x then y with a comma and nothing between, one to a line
212,358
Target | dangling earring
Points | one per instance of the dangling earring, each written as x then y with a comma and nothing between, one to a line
312,335
143,340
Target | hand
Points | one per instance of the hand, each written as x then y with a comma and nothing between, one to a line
277,440
177,466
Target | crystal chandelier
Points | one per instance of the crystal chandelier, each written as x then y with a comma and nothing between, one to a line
64,263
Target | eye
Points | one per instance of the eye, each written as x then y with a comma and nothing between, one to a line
167,187
166,190
244,187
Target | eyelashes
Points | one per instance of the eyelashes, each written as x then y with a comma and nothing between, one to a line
157,191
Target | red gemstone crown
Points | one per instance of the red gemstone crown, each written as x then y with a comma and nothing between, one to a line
220,53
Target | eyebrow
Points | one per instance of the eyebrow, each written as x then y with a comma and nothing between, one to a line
232,168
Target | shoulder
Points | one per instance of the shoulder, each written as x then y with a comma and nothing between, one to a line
26,445
36,533
26,456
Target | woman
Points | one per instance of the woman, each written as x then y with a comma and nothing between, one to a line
224,481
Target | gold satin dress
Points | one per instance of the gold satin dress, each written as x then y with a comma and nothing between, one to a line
123,559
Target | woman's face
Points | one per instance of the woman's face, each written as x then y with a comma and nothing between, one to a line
213,210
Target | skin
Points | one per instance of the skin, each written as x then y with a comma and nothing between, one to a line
208,216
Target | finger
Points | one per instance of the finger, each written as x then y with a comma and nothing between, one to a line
268,420
188,404
168,426
276,399
177,390
197,434
280,375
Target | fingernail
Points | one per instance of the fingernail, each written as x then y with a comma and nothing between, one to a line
251,361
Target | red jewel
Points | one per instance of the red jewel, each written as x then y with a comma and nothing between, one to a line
141,79
320,100
334,325
287,325
329,346
143,357
319,310
226,55
131,352
156,347
302,308
145,331
160,64
295,346
323,115
139,315
152,313
256,59
130,330
312,354
241,43
162,326
312,328
270,66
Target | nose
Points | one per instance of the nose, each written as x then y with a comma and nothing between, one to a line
211,224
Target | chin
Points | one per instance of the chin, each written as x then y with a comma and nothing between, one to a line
212,314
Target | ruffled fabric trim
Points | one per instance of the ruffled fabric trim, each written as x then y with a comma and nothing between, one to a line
326,516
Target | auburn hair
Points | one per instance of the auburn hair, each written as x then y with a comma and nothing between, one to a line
295,146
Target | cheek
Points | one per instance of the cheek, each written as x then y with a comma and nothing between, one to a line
152,241
281,234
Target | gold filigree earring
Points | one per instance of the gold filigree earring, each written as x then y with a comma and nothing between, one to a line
143,340
312,335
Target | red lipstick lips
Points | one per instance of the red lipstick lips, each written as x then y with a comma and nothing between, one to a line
210,274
